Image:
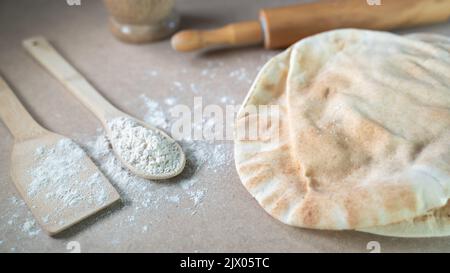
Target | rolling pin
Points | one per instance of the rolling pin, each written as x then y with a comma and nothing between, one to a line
281,27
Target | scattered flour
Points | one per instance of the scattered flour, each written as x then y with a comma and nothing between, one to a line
30,227
55,168
55,178
145,228
178,85
227,100
46,219
171,101
14,200
205,72
173,199
197,196
147,150
194,88
152,73
212,69
155,115
241,74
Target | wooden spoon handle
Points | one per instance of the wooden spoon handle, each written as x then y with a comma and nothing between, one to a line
15,116
49,58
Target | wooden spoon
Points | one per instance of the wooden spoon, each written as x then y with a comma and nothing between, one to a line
56,205
48,57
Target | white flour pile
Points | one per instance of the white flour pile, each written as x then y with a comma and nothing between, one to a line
55,178
147,150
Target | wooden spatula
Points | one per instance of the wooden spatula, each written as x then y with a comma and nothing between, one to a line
56,179
49,58
281,27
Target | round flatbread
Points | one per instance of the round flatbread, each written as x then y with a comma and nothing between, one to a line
363,132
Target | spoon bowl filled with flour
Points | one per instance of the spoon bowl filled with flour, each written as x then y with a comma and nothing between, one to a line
145,150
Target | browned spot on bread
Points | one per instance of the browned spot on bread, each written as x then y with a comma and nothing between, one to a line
398,197
257,179
355,207
416,150
282,204
326,92
310,212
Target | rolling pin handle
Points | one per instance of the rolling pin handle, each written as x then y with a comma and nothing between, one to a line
237,34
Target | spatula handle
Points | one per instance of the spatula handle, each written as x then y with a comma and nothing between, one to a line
15,116
49,58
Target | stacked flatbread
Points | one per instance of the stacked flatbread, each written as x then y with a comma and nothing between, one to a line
363,134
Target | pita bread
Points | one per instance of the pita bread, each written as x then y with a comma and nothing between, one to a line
363,137
436,223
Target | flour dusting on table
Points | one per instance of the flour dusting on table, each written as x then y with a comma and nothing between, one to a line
30,228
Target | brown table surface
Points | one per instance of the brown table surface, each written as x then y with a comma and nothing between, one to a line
227,218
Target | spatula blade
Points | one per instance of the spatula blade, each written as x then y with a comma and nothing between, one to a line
59,182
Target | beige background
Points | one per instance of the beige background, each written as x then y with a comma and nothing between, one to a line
227,219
